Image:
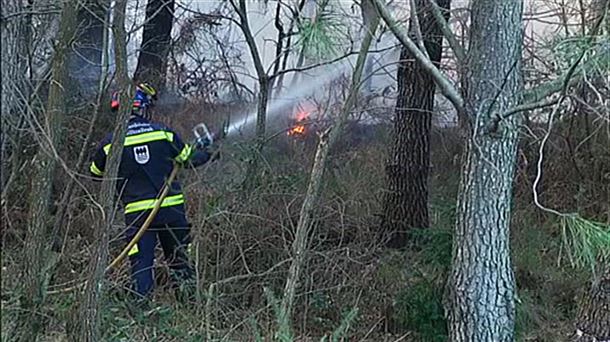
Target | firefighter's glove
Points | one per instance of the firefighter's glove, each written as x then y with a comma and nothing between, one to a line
202,143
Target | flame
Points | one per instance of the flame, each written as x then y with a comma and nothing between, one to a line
298,128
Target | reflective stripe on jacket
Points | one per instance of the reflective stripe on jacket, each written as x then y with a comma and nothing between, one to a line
149,153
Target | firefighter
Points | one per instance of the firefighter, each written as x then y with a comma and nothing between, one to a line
149,152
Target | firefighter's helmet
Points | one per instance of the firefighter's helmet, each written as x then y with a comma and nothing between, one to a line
144,98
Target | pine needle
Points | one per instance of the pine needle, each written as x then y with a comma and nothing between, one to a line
584,241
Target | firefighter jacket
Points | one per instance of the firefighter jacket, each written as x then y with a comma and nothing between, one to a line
149,152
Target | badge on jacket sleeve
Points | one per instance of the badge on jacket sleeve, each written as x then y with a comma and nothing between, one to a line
141,154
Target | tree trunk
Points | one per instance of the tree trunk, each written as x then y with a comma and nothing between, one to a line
16,90
327,140
88,326
263,94
85,60
64,203
156,42
593,318
482,285
405,204
36,259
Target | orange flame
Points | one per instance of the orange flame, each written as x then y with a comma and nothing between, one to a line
296,130
299,127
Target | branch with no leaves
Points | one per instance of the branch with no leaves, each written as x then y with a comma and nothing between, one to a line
245,27
538,95
444,84
417,28
328,62
458,49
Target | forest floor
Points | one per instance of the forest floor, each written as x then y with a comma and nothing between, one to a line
397,294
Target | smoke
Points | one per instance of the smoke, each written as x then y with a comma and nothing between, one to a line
307,86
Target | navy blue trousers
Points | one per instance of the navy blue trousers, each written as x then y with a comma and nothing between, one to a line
174,239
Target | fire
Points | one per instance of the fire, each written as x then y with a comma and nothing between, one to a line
298,128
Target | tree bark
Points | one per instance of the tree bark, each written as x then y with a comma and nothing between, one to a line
88,326
405,204
16,90
593,318
36,258
64,202
85,60
156,42
263,93
481,284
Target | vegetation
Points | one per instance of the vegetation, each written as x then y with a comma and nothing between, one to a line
290,231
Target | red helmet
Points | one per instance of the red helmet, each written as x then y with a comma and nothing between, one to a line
114,102
144,97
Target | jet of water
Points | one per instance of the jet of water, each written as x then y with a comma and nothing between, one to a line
305,87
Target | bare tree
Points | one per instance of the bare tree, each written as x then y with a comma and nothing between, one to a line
85,60
287,48
405,202
16,87
263,90
327,139
36,262
89,312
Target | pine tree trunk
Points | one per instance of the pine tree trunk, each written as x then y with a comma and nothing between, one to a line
36,260
156,43
482,285
593,319
405,203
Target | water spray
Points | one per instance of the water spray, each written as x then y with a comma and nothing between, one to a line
287,100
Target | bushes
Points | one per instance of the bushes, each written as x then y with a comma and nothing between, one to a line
419,308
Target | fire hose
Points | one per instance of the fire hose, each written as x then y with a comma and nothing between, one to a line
148,221
200,131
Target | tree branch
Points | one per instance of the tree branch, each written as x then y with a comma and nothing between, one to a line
417,28
245,27
334,60
536,98
458,49
444,84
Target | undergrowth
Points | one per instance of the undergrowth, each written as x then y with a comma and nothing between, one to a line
352,288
